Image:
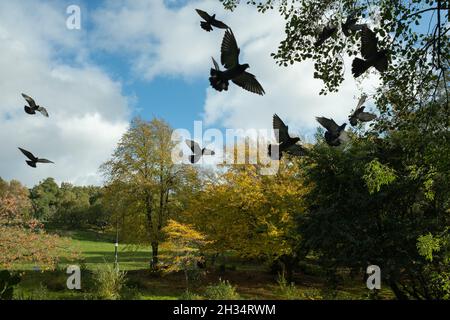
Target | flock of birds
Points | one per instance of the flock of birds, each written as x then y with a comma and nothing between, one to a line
236,72
31,109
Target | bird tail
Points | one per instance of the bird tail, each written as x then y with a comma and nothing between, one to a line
31,163
217,82
359,66
206,26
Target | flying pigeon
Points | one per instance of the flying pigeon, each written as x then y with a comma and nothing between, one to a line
369,50
286,142
33,160
359,114
324,34
210,21
32,107
234,70
197,151
335,134
349,24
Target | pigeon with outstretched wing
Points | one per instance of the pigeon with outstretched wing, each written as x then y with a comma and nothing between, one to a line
359,114
210,21
324,34
373,57
235,71
286,143
197,152
32,107
32,159
335,134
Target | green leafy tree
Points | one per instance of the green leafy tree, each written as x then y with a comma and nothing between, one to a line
416,34
142,180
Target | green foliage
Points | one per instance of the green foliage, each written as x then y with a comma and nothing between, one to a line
69,206
221,291
7,283
377,175
427,244
189,295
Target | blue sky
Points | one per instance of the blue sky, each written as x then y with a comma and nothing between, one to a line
177,101
141,58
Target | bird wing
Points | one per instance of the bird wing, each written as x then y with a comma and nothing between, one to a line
368,43
43,111
194,146
248,82
208,152
328,124
44,161
361,101
366,116
216,65
296,150
203,14
28,154
382,64
30,100
219,24
281,130
229,51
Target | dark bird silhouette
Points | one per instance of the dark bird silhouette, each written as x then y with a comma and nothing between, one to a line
198,152
33,160
324,34
359,114
286,143
217,82
234,70
335,134
210,21
32,107
372,56
349,24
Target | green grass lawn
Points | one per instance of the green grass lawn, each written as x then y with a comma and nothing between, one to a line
252,280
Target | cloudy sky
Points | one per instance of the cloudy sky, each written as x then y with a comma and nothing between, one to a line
138,58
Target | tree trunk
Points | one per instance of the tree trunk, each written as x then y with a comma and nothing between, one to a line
154,262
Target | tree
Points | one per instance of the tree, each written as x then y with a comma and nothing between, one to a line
185,244
141,179
250,214
416,33
23,239
384,201
44,197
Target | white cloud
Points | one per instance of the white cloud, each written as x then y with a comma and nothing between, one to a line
88,112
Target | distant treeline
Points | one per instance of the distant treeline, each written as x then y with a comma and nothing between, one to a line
63,205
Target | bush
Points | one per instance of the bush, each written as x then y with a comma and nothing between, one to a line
189,295
7,283
291,292
221,291
110,282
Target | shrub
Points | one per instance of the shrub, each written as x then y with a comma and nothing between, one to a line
221,291
7,283
189,295
291,292
110,282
